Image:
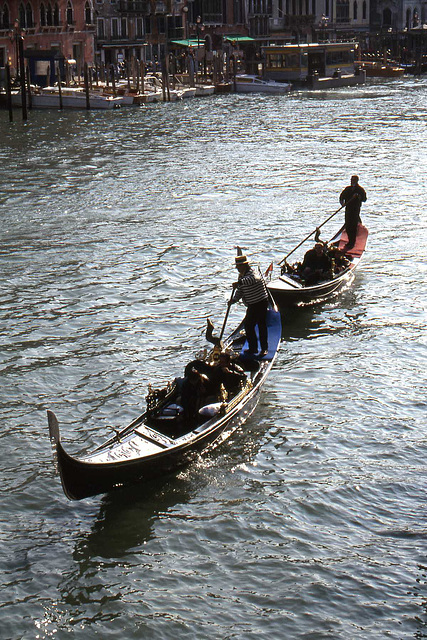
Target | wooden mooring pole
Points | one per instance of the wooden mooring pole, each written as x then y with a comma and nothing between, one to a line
22,77
9,93
86,81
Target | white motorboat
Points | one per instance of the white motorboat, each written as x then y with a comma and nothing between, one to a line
205,89
72,98
186,92
245,83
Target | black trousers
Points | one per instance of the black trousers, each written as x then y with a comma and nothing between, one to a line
352,219
256,314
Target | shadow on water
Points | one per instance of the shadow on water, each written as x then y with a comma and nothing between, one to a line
126,518
305,322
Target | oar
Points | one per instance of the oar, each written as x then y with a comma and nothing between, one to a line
226,315
320,225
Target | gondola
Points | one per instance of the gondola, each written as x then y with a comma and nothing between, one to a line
289,290
160,440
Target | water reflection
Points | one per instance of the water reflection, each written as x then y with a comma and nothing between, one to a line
126,519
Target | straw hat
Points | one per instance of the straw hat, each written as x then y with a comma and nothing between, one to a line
241,260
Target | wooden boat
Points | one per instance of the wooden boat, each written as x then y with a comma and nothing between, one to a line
375,69
289,289
160,440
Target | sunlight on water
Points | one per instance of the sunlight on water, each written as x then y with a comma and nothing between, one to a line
118,240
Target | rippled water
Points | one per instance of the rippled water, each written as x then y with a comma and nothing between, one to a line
117,241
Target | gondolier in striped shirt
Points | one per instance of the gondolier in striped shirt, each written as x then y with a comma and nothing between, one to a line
250,287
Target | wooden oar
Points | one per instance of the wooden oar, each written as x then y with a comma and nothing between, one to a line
320,225
226,315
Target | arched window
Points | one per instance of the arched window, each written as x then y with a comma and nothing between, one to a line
4,17
88,13
355,10
343,11
49,16
56,15
387,18
69,13
408,18
364,14
42,15
29,22
22,16
415,20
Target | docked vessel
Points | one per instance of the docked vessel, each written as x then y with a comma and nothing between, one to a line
245,83
67,98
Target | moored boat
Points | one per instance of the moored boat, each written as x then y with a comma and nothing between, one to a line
289,289
70,97
376,69
162,439
205,89
245,83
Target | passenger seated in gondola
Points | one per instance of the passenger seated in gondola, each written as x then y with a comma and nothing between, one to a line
227,373
339,262
316,265
193,393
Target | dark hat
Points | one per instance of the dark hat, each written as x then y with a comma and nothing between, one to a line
241,260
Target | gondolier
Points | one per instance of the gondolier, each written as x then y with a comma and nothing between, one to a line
352,197
251,288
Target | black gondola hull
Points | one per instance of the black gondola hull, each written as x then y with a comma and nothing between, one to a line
82,479
288,292
141,453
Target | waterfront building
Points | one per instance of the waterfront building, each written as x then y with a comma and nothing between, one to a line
61,29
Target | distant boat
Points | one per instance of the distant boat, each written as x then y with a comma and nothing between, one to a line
245,83
161,440
290,290
72,98
381,69
205,89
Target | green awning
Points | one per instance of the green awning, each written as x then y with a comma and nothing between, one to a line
238,39
189,42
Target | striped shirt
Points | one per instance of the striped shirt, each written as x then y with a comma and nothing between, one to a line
251,288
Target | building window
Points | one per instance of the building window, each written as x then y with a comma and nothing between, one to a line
69,13
355,10
4,18
88,13
100,28
22,15
115,27
364,10
124,27
148,24
139,28
42,15
56,15
343,11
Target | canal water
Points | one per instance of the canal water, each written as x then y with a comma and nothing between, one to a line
118,236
